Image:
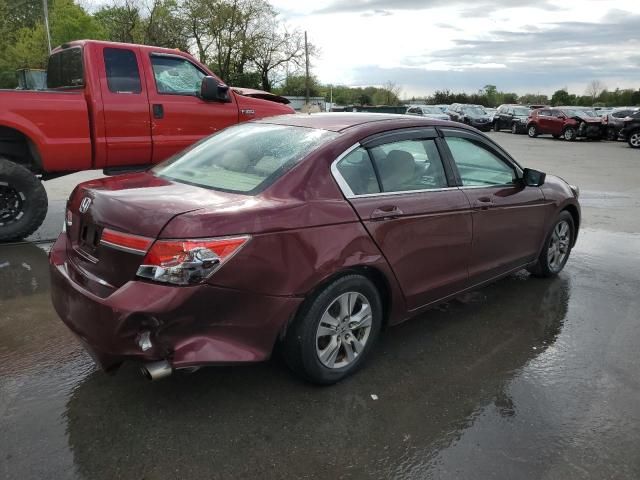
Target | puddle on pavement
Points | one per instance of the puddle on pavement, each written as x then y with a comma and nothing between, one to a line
527,378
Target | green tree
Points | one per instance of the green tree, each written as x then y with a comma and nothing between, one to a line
562,97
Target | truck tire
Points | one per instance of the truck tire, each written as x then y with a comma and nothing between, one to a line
23,201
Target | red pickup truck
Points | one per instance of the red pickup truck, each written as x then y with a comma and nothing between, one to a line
112,106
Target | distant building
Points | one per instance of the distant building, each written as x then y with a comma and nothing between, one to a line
298,102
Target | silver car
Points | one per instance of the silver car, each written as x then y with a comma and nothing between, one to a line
428,111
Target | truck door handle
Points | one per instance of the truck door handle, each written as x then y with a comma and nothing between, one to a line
158,110
483,203
384,213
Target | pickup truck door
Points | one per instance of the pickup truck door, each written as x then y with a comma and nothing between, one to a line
125,107
179,117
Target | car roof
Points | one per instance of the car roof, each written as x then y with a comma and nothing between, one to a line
338,121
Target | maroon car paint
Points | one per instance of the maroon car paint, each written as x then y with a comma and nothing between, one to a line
304,232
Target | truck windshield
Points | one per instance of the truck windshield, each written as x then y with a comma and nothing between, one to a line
65,69
245,158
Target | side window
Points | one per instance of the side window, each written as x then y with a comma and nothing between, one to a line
621,114
122,71
477,165
409,165
176,76
357,171
544,113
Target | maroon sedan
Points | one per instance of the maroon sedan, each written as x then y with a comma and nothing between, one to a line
310,231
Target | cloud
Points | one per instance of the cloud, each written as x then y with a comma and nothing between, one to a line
481,8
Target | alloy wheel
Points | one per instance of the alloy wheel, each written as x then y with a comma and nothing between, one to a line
569,134
559,246
343,330
634,140
11,204
532,131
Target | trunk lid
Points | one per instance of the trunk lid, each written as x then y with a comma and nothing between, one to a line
138,204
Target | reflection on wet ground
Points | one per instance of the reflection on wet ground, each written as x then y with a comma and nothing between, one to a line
527,378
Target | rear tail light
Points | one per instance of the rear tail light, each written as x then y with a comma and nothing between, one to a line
186,262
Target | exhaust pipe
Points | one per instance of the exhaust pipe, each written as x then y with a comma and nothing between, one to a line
156,370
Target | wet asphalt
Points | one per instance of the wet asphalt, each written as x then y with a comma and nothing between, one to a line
525,379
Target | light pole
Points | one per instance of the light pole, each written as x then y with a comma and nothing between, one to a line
46,23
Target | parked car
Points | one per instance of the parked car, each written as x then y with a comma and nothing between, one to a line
631,130
491,111
111,106
614,121
511,117
428,111
473,115
310,231
563,122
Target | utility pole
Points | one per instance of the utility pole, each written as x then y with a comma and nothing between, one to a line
46,23
306,56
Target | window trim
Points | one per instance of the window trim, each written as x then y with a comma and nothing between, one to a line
176,57
493,148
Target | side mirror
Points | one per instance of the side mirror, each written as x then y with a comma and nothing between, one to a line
213,91
533,178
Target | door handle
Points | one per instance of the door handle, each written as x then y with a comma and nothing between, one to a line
158,110
483,203
384,213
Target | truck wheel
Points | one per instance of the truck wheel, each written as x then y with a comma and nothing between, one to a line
634,139
570,134
23,201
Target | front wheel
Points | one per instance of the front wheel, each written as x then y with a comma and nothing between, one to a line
532,131
335,330
556,248
570,134
634,139
23,201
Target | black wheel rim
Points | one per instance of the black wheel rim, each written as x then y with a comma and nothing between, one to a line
11,204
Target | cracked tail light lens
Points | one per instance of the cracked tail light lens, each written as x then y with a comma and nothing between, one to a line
187,262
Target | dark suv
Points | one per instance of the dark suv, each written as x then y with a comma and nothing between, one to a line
564,122
474,115
512,117
614,121
631,130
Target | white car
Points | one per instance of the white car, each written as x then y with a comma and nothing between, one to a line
428,111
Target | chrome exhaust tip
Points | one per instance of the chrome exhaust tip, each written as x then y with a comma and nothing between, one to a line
156,370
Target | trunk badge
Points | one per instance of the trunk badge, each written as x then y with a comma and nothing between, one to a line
85,204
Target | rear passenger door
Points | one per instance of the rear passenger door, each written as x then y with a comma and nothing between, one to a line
125,107
403,194
508,217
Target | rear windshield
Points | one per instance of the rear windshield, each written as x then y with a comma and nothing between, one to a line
65,69
521,111
245,158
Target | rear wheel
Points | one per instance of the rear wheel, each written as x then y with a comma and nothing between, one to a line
532,131
496,126
335,331
569,134
556,248
23,201
634,139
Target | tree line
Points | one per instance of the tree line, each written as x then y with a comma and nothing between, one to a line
243,41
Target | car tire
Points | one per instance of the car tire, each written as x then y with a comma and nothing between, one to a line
496,126
556,248
612,134
318,355
514,128
23,201
532,131
570,134
634,139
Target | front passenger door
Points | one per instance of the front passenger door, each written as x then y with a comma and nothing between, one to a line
508,217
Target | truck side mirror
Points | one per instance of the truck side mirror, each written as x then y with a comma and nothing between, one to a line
533,178
213,91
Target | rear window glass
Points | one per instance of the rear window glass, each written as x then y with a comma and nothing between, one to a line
65,69
245,158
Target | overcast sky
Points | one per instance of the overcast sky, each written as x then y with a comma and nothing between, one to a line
519,45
